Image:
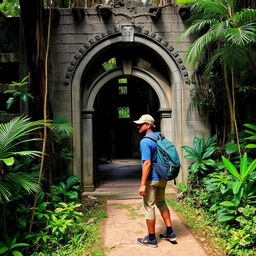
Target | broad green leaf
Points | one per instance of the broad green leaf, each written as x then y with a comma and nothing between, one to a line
183,187
251,126
202,165
209,162
3,249
9,102
227,203
191,153
16,253
236,186
231,168
231,148
250,146
243,165
194,167
211,142
72,194
223,218
238,197
251,137
250,169
19,245
214,208
249,132
72,180
208,152
10,91
199,145
8,161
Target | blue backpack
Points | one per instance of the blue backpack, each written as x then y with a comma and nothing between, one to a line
168,161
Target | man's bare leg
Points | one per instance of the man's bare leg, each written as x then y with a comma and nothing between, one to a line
151,226
166,217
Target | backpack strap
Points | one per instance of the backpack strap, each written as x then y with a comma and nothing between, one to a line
151,137
160,136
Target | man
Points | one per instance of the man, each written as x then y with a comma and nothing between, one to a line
152,187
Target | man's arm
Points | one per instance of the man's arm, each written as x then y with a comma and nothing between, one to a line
145,172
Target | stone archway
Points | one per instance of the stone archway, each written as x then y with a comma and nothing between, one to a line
170,94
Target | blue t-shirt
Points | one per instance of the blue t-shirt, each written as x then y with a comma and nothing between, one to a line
148,149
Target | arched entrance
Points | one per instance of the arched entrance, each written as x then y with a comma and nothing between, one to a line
147,62
117,104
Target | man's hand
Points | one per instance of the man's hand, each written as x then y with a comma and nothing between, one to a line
142,190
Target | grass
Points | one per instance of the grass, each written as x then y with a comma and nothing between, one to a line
203,227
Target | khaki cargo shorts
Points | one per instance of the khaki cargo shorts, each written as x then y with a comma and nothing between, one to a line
155,196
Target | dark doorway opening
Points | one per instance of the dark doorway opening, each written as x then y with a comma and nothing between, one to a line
118,103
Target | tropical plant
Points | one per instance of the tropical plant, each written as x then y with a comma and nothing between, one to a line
10,7
10,247
200,155
239,189
229,34
14,138
64,220
23,96
66,191
252,136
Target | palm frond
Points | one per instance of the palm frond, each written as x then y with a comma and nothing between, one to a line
231,56
206,6
28,153
196,27
241,36
195,50
62,126
5,191
16,132
27,181
244,16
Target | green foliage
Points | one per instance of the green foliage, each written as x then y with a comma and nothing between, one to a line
220,22
11,247
200,155
23,96
10,7
252,137
14,139
228,196
245,236
15,134
183,187
68,228
64,221
61,128
66,191
237,188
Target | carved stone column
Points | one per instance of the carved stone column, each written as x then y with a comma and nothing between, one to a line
87,150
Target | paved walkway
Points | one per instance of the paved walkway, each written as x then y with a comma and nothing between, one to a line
125,222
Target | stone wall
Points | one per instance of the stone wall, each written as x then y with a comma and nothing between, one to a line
69,35
76,30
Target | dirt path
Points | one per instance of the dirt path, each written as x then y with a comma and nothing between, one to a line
125,222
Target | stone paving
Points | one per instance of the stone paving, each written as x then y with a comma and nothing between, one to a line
118,184
125,222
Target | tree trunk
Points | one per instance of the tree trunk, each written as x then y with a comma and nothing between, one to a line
31,12
229,99
234,112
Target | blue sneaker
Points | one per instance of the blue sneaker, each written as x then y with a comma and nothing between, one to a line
172,237
145,241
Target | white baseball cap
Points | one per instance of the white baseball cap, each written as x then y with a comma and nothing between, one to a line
145,119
